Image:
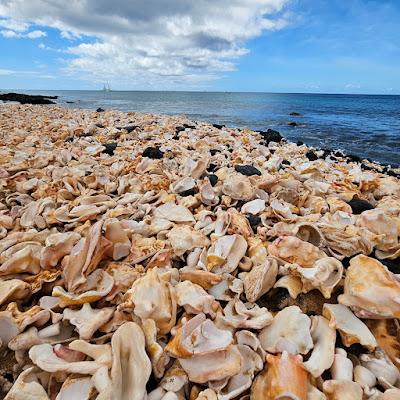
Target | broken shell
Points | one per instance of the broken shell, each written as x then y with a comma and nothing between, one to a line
260,279
370,289
351,329
174,213
289,331
342,390
238,187
131,367
88,320
283,377
225,254
295,251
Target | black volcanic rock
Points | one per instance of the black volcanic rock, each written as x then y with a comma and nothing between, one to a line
358,206
27,98
293,123
153,152
254,220
129,128
271,136
100,109
213,179
218,126
311,156
109,148
295,114
211,167
247,170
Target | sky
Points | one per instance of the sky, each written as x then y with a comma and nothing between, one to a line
317,46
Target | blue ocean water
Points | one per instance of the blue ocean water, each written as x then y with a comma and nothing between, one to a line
365,125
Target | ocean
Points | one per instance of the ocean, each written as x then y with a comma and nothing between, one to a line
364,125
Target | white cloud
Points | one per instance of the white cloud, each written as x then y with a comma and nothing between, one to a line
35,34
6,72
14,25
152,41
9,34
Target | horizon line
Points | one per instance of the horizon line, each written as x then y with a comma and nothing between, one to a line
204,91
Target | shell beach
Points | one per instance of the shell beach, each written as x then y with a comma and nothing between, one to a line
153,257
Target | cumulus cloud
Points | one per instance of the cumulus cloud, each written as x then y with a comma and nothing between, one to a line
152,40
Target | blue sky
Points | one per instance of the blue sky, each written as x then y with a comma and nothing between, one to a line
330,46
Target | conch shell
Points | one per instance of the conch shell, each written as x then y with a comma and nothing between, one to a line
370,289
283,377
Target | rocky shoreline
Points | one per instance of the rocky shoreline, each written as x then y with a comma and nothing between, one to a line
27,98
148,256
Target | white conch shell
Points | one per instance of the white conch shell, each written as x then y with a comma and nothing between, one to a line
381,366
245,315
325,275
12,290
198,336
225,254
184,238
260,279
289,331
175,213
99,283
213,366
58,245
27,387
342,367
88,320
131,367
352,330
295,251
253,207
153,298
76,388
324,338
194,299
238,187
342,390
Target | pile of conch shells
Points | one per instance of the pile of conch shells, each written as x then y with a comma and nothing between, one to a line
153,257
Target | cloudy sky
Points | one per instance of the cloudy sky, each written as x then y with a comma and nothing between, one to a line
336,46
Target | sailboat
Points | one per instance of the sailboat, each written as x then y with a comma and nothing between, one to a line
106,88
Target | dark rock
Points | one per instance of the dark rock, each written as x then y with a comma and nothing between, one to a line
186,126
254,220
354,158
392,265
338,153
101,126
189,192
179,129
295,114
109,148
293,123
358,206
213,179
211,167
100,109
69,139
218,126
27,98
153,152
247,170
311,156
299,143
214,152
128,128
70,102
271,136
327,153
285,162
